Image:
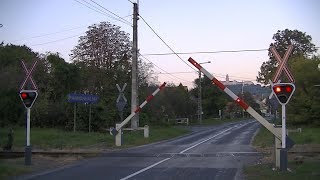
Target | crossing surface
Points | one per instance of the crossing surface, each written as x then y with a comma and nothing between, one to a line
215,152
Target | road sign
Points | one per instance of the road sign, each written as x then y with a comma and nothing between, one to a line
28,97
121,92
283,92
121,100
282,64
82,98
28,75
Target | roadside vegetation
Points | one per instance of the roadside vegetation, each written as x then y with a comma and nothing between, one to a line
302,166
46,139
55,139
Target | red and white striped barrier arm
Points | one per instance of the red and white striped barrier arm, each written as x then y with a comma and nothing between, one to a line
149,98
245,106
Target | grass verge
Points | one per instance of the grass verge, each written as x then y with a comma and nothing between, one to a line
49,139
307,168
309,135
58,139
7,170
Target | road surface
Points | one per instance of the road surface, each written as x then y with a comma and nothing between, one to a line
216,152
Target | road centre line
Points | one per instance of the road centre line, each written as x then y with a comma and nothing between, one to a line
205,140
144,169
157,163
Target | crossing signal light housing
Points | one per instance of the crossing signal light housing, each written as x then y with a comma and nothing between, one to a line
28,97
283,92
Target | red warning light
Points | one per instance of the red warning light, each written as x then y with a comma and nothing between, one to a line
288,89
24,95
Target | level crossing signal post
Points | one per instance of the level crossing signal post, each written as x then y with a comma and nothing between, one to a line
283,93
28,98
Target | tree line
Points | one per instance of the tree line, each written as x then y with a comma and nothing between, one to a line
102,59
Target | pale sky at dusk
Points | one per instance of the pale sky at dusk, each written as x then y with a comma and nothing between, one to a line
187,26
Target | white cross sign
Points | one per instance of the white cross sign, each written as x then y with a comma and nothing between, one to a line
28,75
121,92
282,64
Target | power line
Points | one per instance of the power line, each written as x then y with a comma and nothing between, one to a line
176,73
117,19
57,40
94,8
207,52
111,12
210,52
165,43
48,34
166,72
57,32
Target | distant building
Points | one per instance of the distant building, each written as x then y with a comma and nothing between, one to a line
257,91
227,82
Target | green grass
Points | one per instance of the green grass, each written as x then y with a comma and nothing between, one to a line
133,138
45,138
54,138
306,170
308,136
7,169
264,138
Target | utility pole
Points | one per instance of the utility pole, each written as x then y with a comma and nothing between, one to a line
134,87
200,97
200,101
242,99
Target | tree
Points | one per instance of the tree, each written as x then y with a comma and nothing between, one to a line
304,106
282,39
11,76
103,54
213,99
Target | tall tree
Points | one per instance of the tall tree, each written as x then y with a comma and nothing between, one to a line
105,51
282,39
213,99
304,106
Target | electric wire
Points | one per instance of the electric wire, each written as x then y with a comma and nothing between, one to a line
117,19
167,73
111,12
210,52
48,34
57,40
94,8
165,43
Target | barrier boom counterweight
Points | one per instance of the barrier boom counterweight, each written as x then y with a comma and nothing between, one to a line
245,106
149,98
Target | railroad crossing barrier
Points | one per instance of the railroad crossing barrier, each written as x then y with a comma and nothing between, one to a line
287,142
117,132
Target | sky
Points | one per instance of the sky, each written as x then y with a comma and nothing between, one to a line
186,26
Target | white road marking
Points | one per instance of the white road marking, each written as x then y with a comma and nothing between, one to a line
155,164
145,169
205,140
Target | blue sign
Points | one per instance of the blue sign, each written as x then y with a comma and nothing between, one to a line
82,98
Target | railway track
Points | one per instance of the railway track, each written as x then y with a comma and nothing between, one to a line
17,154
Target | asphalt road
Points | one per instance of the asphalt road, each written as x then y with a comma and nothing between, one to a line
216,152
